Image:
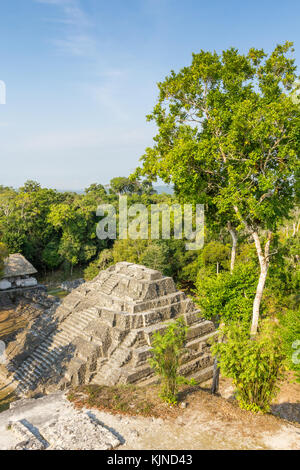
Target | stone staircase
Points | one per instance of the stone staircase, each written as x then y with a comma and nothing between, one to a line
49,352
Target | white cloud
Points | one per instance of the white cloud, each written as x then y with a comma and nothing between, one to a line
76,37
76,45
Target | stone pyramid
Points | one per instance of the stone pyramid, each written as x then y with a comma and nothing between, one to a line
102,332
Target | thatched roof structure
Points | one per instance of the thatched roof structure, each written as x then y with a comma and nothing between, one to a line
16,265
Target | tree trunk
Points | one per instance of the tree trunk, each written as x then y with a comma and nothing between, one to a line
216,377
233,234
258,297
263,257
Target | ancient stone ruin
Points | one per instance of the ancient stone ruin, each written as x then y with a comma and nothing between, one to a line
101,334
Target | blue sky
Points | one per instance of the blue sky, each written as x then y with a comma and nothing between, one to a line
81,76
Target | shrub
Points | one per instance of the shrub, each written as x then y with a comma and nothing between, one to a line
290,332
227,297
167,349
254,364
156,256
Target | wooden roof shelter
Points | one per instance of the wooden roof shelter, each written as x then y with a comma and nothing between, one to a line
16,265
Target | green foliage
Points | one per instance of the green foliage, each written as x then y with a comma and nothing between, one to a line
216,253
122,185
254,364
3,255
156,256
104,260
290,333
129,250
131,185
167,350
283,286
50,254
226,297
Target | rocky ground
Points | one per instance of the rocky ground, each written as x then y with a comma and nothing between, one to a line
206,422
52,423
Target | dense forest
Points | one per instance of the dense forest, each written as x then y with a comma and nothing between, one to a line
56,231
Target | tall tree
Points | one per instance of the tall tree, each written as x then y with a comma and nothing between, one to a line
228,134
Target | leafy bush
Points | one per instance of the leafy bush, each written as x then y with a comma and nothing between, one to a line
156,256
291,339
255,364
227,297
217,254
167,349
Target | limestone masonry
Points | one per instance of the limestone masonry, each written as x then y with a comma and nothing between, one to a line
101,334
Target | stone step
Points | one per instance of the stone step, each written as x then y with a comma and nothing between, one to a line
151,380
76,323
120,357
25,363
29,377
108,374
204,374
196,343
63,337
163,301
192,317
130,339
141,355
52,351
39,368
200,329
191,367
25,387
134,374
44,358
150,330
34,360
29,369
90,315
72,331
81,319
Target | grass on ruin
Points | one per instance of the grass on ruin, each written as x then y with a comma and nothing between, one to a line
145,401
125,399
6,397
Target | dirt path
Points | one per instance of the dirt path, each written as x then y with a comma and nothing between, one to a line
207,423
